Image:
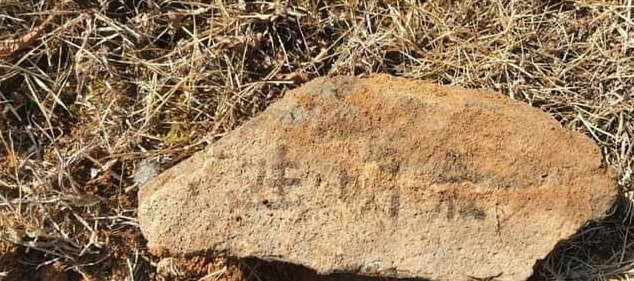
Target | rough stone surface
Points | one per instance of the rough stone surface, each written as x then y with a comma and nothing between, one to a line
384,176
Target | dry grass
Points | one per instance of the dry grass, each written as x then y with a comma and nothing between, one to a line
90,89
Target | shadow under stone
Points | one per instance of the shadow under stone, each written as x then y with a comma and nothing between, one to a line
254,269
598,250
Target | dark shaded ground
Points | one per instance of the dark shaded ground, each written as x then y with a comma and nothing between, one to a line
255,269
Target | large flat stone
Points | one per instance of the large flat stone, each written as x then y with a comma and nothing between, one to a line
384,176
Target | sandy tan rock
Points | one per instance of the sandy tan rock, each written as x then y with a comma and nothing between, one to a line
384,175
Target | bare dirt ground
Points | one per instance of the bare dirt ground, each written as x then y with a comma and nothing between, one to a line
90,90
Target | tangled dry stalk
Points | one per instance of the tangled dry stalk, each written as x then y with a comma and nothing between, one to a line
90,91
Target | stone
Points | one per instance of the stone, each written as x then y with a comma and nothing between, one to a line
384,176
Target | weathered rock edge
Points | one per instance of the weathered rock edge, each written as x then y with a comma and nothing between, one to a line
384,175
